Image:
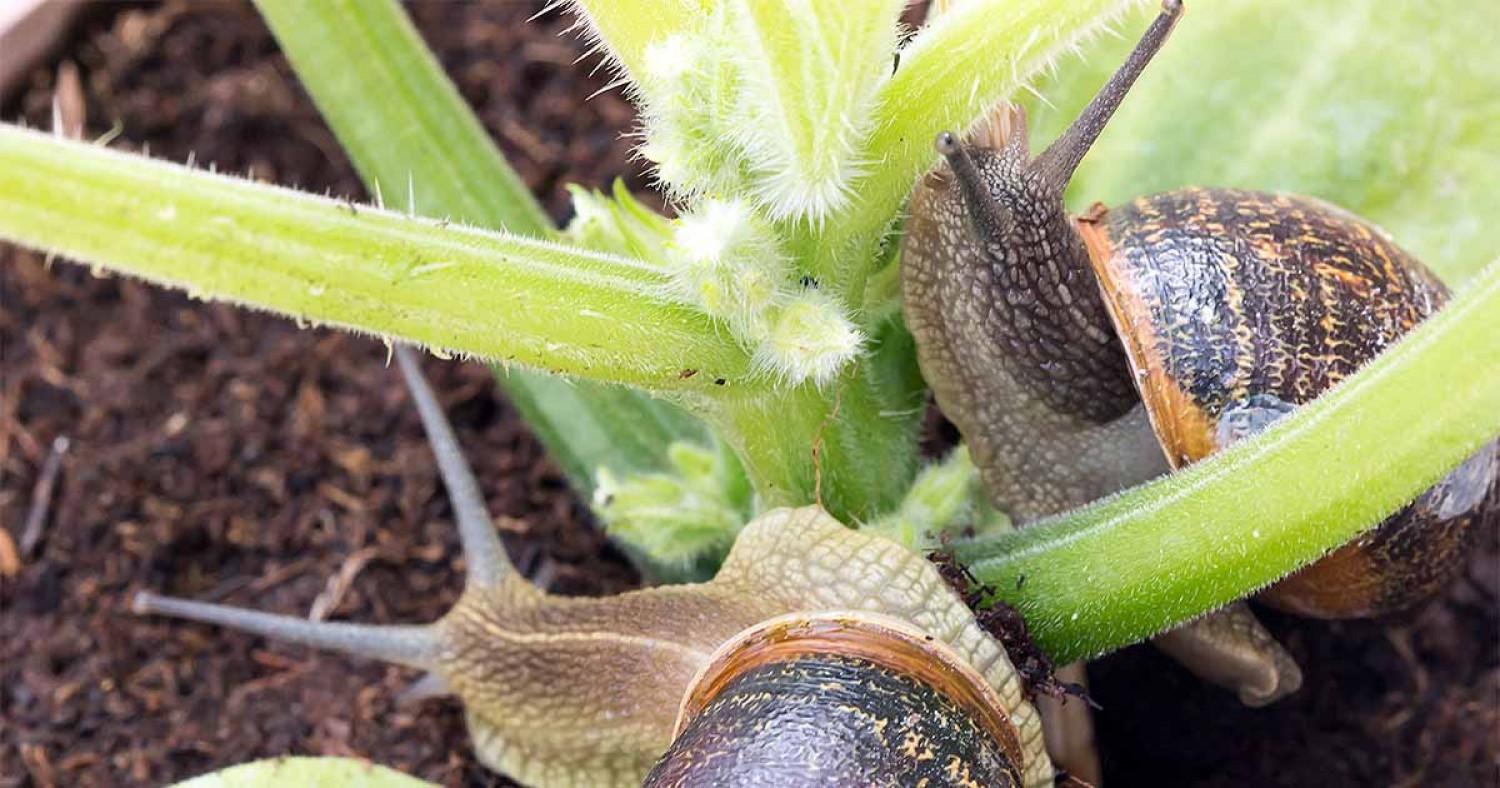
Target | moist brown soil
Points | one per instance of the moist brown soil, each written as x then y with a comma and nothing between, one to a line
226,455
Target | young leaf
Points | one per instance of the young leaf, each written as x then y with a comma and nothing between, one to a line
946,501
811,71
955,69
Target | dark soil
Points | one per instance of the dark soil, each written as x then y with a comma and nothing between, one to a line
225,455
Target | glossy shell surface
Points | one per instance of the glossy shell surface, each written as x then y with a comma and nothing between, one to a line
1235,307
834,699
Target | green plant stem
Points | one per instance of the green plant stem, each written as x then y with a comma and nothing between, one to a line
851,446
835,447
401,119
498,297
1124,569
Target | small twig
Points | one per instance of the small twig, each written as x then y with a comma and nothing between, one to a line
10,559
41,496
338,585
265,583
237,698
68,105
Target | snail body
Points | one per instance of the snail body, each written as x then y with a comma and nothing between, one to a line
588,691
1078,356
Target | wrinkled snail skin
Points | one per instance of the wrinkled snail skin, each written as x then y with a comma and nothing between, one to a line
587,691
1078,356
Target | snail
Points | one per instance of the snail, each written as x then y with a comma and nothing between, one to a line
818,655
1081,355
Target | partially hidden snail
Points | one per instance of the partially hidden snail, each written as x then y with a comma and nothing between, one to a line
817,655
1081,355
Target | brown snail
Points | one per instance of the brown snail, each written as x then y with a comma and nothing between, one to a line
1079,356
817,656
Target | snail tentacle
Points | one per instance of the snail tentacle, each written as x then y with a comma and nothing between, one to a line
414,646
485,555
1062,157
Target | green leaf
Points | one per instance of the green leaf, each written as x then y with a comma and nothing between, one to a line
619,224
421,131
590,427
1388,108
306,773
684,517
462,290
1130,566
398,116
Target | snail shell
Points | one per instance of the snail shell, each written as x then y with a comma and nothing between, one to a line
1234,307
840,699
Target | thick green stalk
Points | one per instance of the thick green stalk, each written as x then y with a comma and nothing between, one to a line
811,73
468,291
851,446
1124,569
837,447
400,119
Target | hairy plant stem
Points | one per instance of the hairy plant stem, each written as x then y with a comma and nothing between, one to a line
952,72
455,289
421,132
624,28
844,447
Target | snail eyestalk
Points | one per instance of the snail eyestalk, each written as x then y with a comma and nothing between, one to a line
987,214
414,646
487,561
1061,158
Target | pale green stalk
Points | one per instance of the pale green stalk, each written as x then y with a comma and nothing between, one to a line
403,122
460,290
1128,567
851,447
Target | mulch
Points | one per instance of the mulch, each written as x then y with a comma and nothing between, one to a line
225,455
